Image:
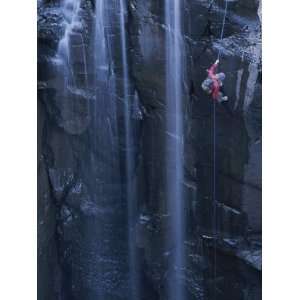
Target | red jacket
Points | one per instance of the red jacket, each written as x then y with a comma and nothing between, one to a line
216,85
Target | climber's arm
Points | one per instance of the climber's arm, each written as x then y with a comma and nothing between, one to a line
212,70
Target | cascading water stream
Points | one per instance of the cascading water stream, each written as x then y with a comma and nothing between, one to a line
174,155
105,111
70,9
104,164
130,186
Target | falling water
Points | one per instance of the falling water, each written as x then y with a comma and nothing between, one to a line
70,9
105,48
130,186
174,156
105,114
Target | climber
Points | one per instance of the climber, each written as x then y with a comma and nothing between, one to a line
213,84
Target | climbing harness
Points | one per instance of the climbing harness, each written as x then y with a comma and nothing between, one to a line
214,165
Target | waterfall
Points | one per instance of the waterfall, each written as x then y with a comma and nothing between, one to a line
107,94
73,26
174,146
130,183
105,106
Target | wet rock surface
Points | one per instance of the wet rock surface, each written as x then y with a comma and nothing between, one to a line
82,210
238,133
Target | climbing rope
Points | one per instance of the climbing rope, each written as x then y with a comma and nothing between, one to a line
215,224
223,25
215,229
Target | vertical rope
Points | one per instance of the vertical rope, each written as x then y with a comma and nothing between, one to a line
223,25
214,198
215,224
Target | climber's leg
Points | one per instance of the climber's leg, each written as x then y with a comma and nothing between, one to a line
222,95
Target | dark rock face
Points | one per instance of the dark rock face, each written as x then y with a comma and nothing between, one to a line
238,138
82,209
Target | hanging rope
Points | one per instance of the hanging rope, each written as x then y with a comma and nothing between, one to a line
215,224
214,197
223,24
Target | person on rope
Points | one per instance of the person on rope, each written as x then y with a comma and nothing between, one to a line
213,84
